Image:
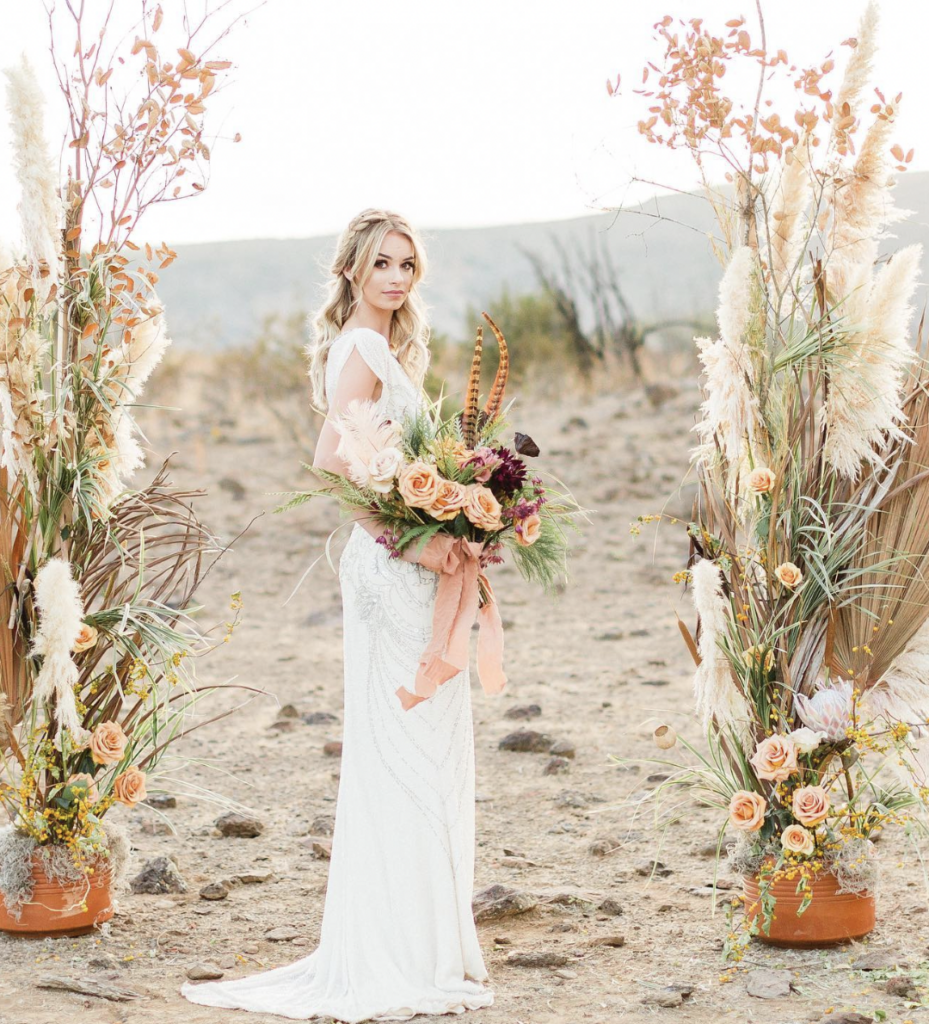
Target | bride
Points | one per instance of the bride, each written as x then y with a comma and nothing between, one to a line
398,935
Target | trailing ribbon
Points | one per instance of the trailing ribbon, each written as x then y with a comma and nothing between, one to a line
456,560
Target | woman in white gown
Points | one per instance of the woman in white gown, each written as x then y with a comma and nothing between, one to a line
398,936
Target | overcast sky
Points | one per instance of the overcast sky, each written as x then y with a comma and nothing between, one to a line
454,114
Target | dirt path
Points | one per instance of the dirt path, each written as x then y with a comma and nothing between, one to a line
601,661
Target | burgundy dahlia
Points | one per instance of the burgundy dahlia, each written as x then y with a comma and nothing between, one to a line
510,475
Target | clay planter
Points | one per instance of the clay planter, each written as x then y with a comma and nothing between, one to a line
56,909
831,917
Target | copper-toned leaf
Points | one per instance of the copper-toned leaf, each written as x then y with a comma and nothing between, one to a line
524,445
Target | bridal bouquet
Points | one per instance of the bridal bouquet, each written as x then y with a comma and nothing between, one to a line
452,479
809,541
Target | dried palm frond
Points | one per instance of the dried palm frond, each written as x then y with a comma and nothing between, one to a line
472,393
364,432
494,402
885,606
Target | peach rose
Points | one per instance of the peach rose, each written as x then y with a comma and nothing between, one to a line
449,501
383,469
86,639
796,839
528,530
129,786
746,811
92,795
108,743
419,484
789,575
761,480
810,805
775,758
482,508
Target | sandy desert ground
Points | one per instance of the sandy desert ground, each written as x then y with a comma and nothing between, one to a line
601,661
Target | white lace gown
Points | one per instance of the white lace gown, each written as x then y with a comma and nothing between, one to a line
398,936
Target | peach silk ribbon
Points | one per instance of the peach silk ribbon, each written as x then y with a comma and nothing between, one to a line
456,560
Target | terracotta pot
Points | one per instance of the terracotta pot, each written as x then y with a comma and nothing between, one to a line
831,917
56,909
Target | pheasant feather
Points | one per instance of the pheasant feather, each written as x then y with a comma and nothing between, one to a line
495,399
469,415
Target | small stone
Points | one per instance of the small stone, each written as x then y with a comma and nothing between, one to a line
288,711
526,741
239,826
657,777
285,725
321,849
603,846
523,711
253,877
496,901
234,487
163,801
204,972
649,867
319,718
517,862
563,926
333,748
214,891
658,394
104,962
556,766
228,962
154,827
766,984
902,986
609,940
656,682
877,960
566,973
571,798
251,948
158,876
503,940
563,748
282,934
323,825
536,958
610,906
667,998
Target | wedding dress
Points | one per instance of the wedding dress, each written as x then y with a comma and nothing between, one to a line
398,936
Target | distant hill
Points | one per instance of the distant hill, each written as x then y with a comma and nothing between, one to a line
217,293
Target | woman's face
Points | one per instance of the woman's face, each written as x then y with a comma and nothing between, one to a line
392,275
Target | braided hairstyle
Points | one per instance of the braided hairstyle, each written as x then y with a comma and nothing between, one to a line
356,251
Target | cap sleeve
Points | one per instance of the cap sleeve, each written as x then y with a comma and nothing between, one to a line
372,347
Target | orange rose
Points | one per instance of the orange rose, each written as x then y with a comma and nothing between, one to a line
810,805
775,758
108,743
796,839
528,530
761,480
129,786
746,811
482,508
449,501
92,795
419,484
789,575
85,639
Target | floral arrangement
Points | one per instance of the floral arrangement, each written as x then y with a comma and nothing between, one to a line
98,634
452,477
809,543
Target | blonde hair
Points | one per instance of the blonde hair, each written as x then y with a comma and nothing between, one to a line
356,251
